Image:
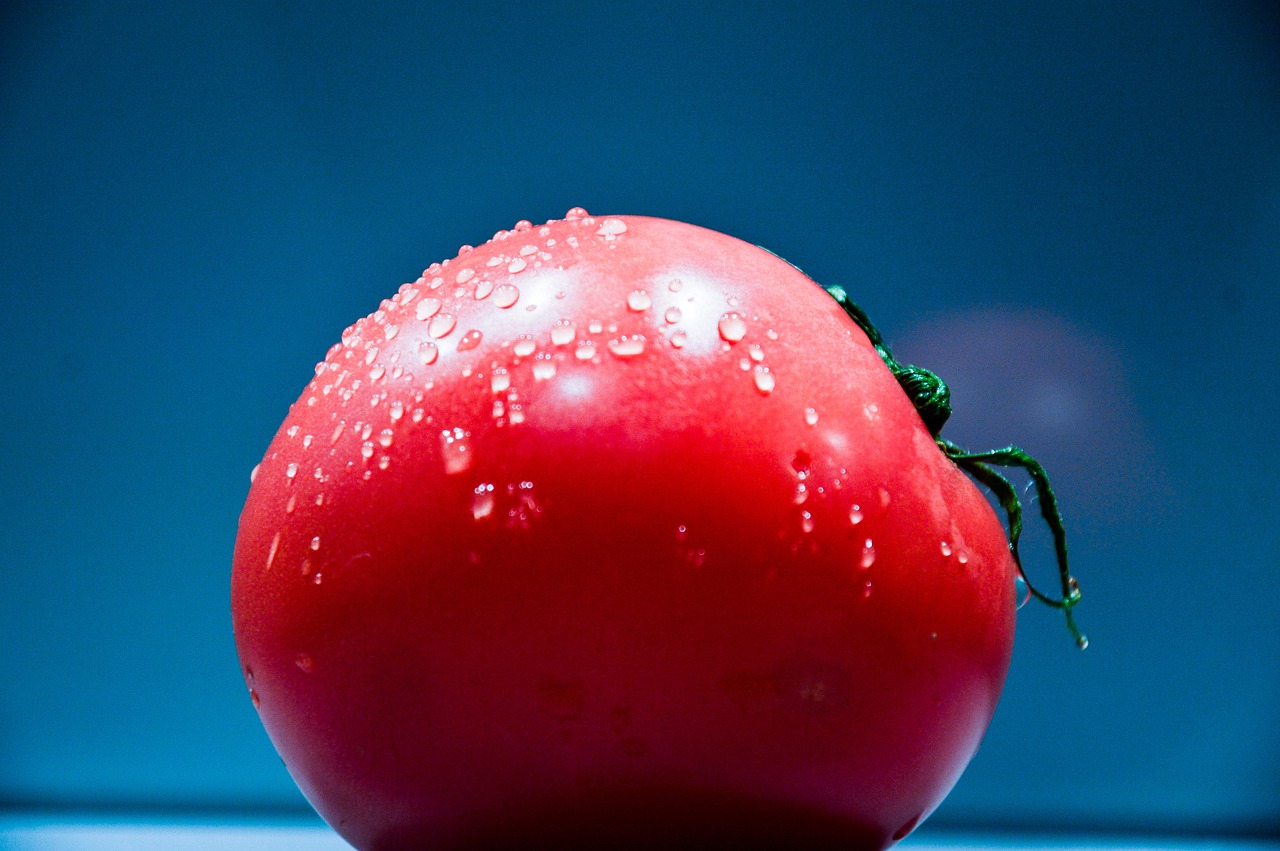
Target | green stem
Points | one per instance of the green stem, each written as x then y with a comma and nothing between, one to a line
932,399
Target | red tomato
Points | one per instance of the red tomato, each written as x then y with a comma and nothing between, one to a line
617,530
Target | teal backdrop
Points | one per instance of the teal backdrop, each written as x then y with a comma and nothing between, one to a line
1071,211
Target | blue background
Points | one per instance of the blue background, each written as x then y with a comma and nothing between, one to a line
1070,211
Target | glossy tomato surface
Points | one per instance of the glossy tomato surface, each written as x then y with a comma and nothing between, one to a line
617,530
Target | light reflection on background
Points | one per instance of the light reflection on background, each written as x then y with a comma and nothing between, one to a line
1060,392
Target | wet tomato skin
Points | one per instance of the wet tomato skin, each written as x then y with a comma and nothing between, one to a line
640,541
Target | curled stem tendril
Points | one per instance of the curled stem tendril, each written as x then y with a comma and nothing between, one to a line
932,399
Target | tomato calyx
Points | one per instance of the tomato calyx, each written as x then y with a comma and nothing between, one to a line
932,399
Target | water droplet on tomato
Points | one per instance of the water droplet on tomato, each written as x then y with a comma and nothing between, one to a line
801,494
946,548
291,470
586,350
441,325
315,543
253,474
627,346
464,275
811,416
672,315
563,332
576,213
506,295
611,228
866,589
524,346
484,286
455,448
855,515
271,552
500,380
385,437
756,352
732,327
397,410
470,340
292,504
254,699
764,380
377,372
868,554
678,338
639,301
544,367
517,265
304,663
428,308
800,463
482,502
806,521
428,352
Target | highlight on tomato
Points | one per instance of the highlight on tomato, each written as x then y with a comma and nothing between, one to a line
619,531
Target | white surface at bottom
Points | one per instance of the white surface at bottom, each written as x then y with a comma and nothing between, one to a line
29,833
84,837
